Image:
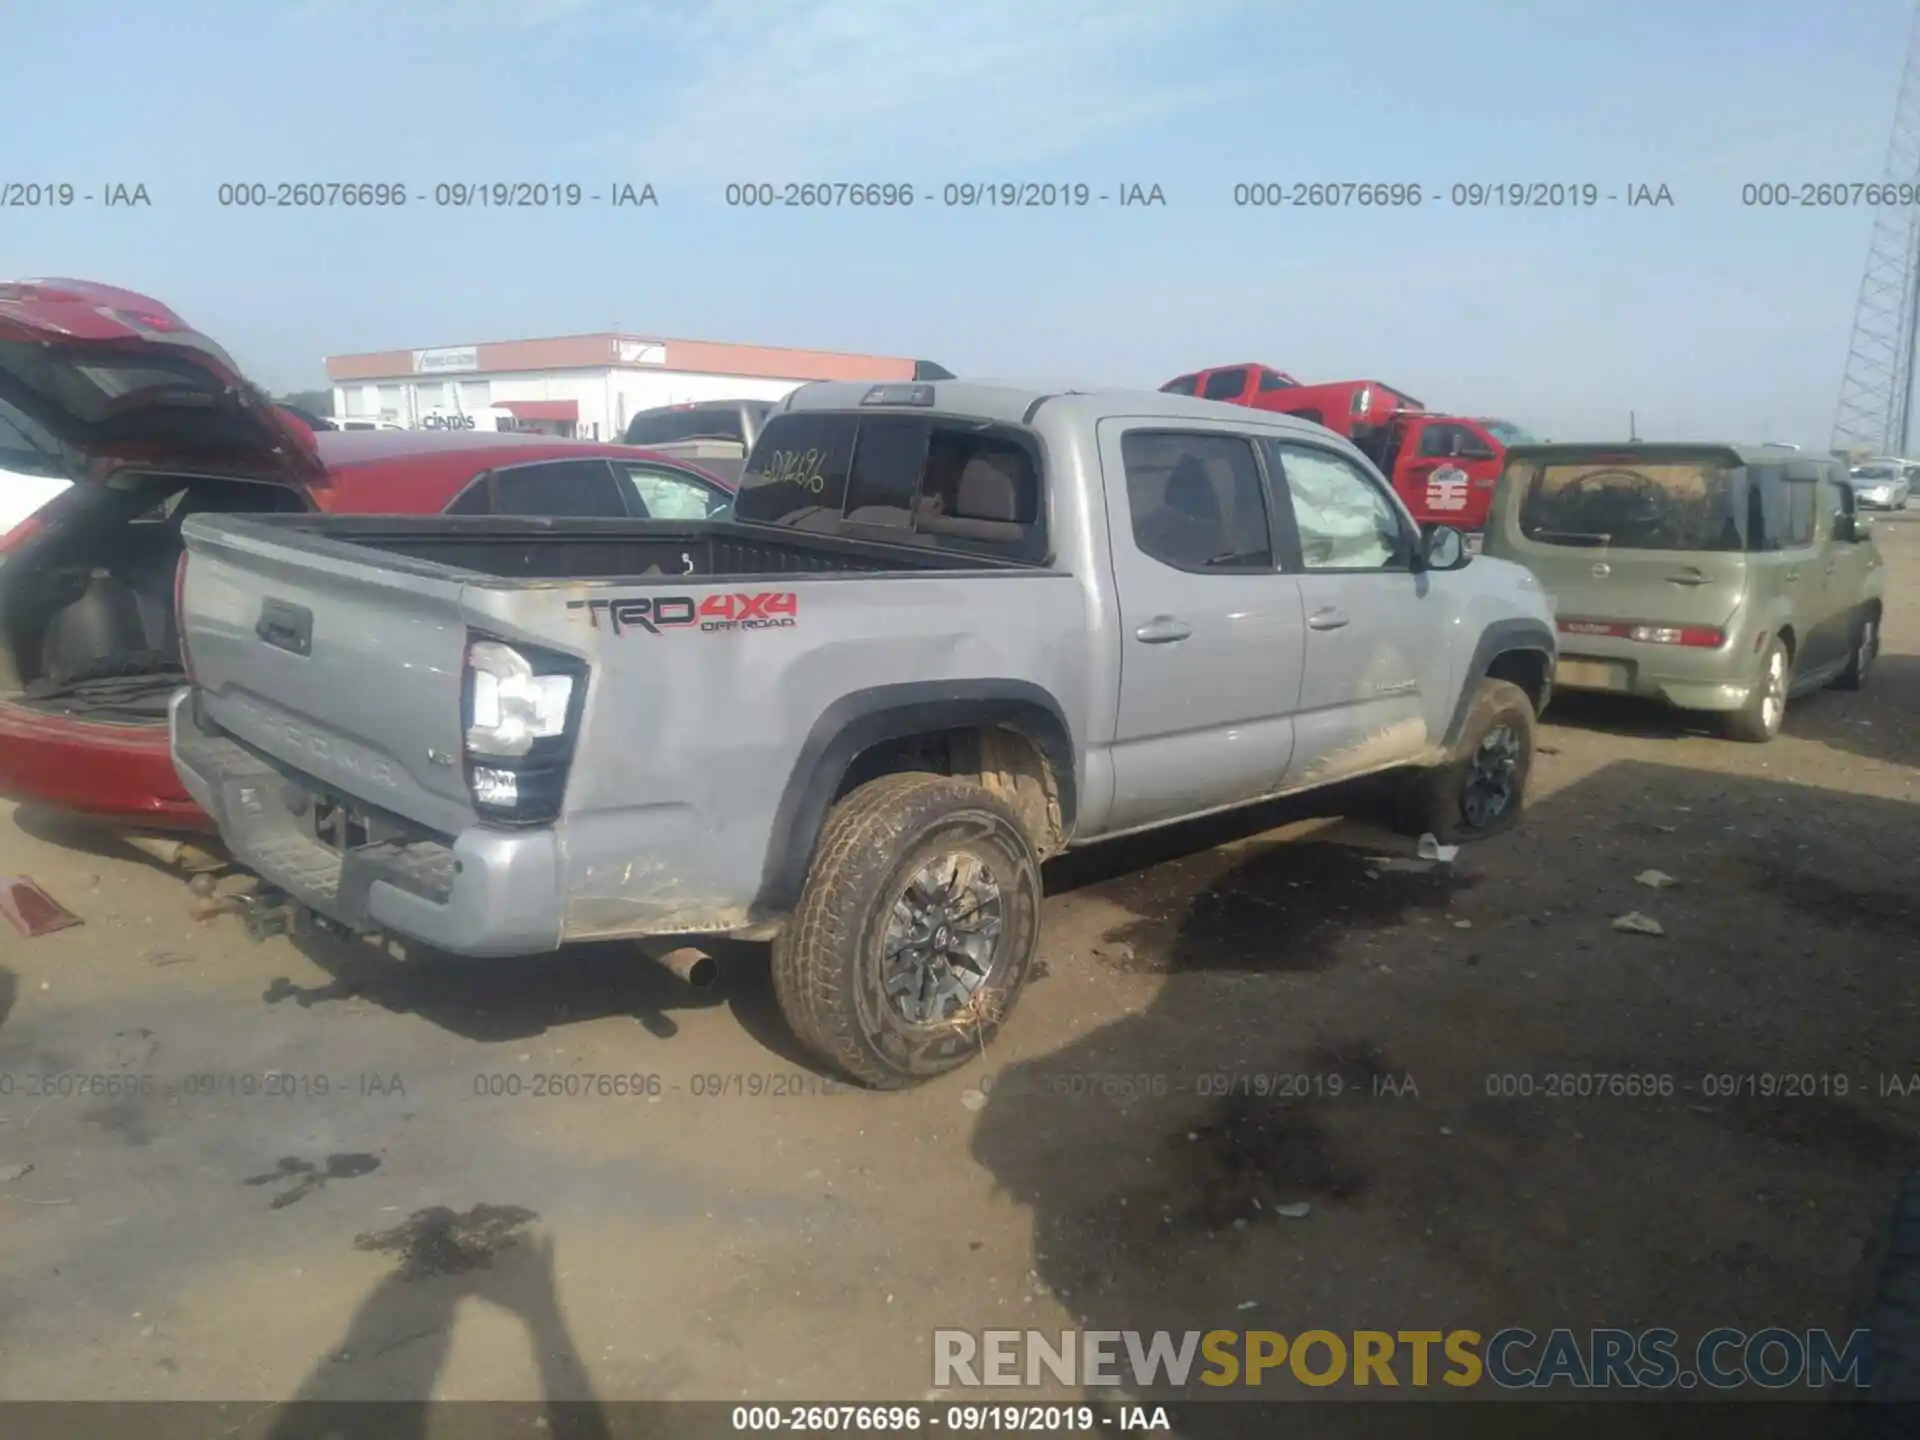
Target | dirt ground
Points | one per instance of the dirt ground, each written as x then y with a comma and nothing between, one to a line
336,1178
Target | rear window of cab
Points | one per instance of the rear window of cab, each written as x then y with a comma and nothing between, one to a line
936,482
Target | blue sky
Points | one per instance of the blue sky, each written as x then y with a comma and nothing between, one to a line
1705,317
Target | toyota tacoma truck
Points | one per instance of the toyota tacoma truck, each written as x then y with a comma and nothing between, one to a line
950,630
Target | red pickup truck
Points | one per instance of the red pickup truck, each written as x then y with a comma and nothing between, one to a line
1443,466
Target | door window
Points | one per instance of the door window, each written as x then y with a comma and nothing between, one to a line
1196,501
1185,385
1802,505
577,489
1225,384
671,494
1344,521
1450,442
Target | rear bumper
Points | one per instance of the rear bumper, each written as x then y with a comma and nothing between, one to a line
1718,680
487,893
120,775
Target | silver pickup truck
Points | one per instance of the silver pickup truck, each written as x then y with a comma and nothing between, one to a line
950,630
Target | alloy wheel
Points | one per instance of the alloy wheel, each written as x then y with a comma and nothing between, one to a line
1492,776
1773,705
943,938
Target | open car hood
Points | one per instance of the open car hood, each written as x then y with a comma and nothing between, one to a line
109,379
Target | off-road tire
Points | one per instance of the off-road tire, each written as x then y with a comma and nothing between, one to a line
827,962
1432,800
1749,723
1887,1407
1866,649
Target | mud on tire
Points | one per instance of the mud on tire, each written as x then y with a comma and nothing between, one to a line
879,871
1438,800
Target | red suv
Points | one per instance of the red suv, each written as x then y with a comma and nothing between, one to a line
153,422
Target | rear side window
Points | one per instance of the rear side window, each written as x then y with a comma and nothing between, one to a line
943,484
561,489
1766,507
1271,380
1226,385
1803,504
1635,504
1185,385
1196,501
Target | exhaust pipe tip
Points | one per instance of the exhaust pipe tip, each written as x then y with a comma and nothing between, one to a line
696,969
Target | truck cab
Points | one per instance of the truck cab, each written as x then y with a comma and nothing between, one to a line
1443,466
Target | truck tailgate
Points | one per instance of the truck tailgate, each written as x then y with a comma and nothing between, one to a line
362,662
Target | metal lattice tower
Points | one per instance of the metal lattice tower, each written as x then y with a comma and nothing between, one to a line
1876,391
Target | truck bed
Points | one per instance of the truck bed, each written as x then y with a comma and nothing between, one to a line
327,656
514,548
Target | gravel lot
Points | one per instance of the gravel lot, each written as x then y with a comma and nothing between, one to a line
740,1234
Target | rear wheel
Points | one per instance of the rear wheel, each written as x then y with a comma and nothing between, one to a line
1482,789
1759,720
1866,648
915,931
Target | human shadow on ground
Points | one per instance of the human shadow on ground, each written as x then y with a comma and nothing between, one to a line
380,1378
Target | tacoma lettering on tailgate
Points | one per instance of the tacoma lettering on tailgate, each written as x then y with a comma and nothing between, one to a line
762,610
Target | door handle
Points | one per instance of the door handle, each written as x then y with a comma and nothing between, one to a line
1327,619
1161,630
1792,575
1687,577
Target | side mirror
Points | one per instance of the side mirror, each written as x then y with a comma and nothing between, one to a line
1442,548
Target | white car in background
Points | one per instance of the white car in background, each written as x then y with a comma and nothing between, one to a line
1881,485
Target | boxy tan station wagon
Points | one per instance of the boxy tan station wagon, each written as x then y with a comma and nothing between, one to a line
1719,578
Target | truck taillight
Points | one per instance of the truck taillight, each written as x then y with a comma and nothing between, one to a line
180,615
1362,398
520,710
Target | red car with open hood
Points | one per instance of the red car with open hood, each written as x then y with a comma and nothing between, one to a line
153,421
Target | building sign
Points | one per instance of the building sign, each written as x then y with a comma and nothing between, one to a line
439,362
491,418
638,352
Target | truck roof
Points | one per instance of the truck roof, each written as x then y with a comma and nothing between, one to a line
1014,404
1744,454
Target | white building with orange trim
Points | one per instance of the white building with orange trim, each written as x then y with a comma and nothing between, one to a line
586,386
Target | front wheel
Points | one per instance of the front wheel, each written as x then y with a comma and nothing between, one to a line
1482,789
1759,720
915,931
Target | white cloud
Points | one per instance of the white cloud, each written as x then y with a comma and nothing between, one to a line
858,90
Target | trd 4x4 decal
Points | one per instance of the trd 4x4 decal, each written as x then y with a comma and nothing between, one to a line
762,610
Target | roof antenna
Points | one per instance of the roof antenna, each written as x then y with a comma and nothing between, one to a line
1633,430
